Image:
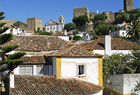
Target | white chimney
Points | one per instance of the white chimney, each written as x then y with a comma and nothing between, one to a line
107,44
12,81
97,11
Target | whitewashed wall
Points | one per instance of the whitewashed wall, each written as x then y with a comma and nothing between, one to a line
64,37
122,83
49,27
69,68
112,51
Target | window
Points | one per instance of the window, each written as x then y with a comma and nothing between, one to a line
81,70
26,70
42,69
122,33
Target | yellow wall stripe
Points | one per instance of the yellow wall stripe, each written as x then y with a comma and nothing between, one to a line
58,67
91,50
100,70
113,92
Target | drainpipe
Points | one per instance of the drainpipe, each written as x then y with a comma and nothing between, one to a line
107,45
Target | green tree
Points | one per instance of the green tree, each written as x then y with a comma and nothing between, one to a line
118,63
134,30
102,30
98,17
12,61
136,57
80,20
77,38
16,24
45,33
76,31
70,26
99,23
122,16
38,30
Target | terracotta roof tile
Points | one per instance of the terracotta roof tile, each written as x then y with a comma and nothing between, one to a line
49,85
73,50
37,43
116,44
58,33
33,60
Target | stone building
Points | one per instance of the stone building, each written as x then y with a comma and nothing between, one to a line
129,5
34,23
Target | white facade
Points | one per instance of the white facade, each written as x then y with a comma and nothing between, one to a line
14,31
55,26
112,51
69,68
121,33
33,70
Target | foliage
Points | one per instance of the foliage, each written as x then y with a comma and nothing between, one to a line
124,38
77,38
70,26
38,30
76,32
122,16
136,56
101,17
17,24
45,33
118,63
134,29
94,36
80,20
102,30
13,60
99,23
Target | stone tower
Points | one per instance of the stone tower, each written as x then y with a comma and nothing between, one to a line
34,23
80,11
129,5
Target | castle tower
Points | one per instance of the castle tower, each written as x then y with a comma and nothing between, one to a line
80,11
34,23
129,5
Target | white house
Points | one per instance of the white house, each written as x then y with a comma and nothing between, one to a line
110,45
120,32
51,55
14,31
54,25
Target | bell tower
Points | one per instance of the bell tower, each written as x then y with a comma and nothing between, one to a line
129,5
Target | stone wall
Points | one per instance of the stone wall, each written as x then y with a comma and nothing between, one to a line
121,83
80,11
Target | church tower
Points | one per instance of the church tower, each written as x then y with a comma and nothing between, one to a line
61,20
129,5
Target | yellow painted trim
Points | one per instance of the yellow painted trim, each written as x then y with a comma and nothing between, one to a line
100,70
58,67
91,50
113,92
119,32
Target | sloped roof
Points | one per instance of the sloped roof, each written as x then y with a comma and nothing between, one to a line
51,22
73,51
33,60
49,85
116,44
37,43
58,33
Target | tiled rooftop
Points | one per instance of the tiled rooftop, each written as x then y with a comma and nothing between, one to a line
33,60
73,51
49,85
116,44
58,33
37,43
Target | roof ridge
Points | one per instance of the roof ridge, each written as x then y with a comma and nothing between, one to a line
96,41
67,49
